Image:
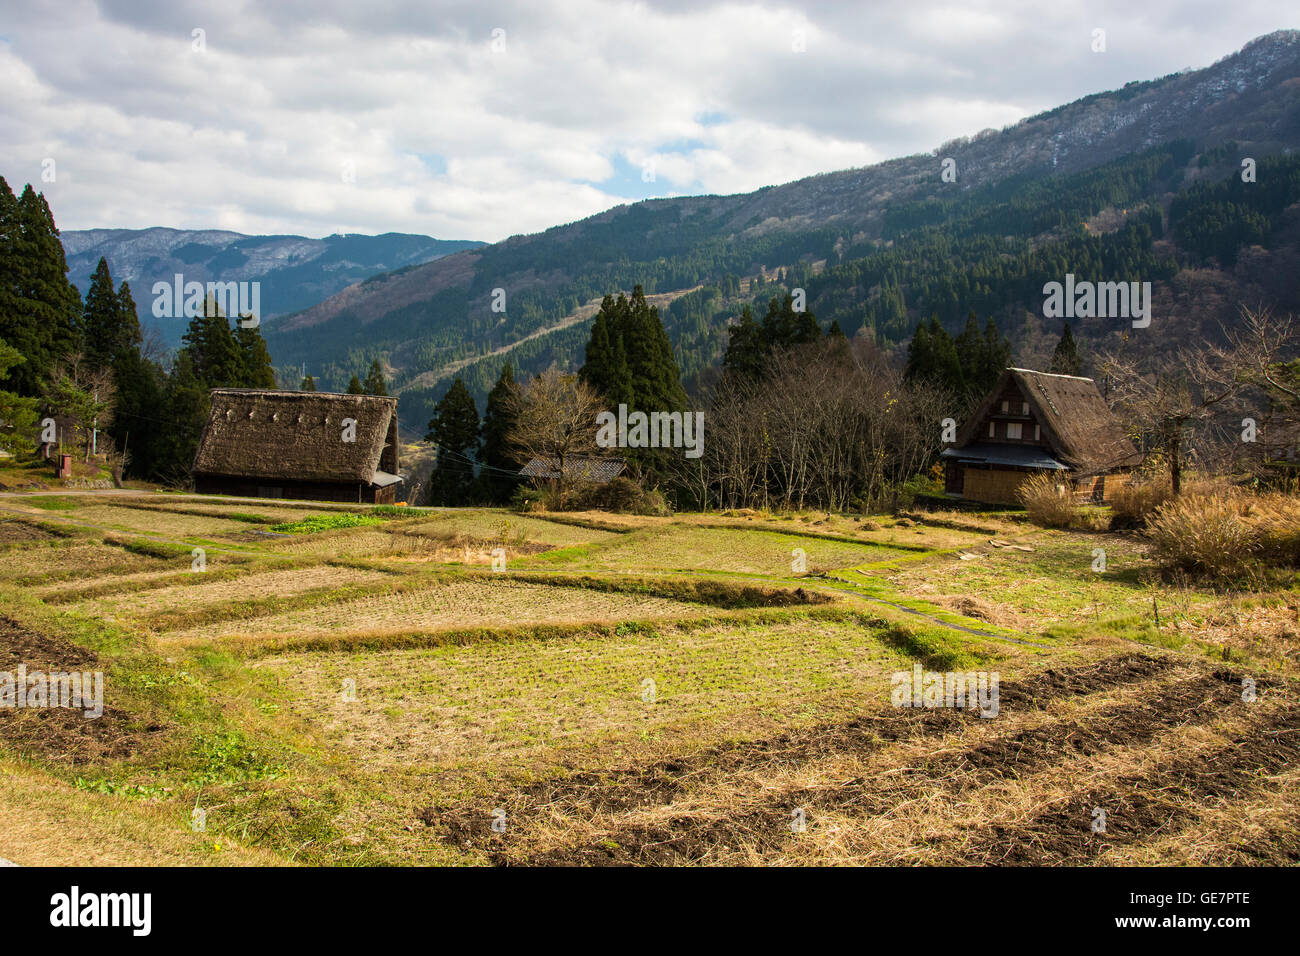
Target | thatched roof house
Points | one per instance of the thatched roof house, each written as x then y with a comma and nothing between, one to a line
577,468
1033,422
323,446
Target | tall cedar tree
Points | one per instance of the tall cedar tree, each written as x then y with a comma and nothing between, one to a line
784,328
374,383
1065,357
308,384
454,431
255,360
498,419
214,353
40,309
186,405
354,386
140,388
656,381
746,350
605,367
932,357
101,320
750,344
629,358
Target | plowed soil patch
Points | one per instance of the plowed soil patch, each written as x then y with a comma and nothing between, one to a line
11,531
662,782
1161,801
766,828
62,734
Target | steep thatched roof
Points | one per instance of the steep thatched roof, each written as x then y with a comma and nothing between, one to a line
576,468
1078,426
261,433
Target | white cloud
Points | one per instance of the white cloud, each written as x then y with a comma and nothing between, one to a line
454,140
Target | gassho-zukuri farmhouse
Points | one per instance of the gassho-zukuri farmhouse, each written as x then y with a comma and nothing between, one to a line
321,446
1033,422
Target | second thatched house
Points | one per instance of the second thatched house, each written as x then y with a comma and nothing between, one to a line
578,469
1034,422
322,446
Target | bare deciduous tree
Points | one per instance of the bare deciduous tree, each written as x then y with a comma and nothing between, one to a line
828,424
1198,394
555,418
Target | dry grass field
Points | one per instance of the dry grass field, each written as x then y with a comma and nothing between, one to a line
699,689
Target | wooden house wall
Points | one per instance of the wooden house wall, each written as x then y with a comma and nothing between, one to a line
351,491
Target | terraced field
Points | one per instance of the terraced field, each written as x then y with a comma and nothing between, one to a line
482,602
481,687
683,547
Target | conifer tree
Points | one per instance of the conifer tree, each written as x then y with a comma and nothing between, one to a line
186,404
783,327
140,384
40,309
598,365
254,359
746,352
656,381
214,353
997,353
920,355
308,384
101,319
453,430
130,335
495,452
947,366
374,383
354,386
629,358
1065,357
932,356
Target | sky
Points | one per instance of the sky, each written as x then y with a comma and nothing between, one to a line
482,120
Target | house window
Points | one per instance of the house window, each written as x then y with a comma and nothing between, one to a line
1024,408
1036,434
1006,406
993,430
1013,429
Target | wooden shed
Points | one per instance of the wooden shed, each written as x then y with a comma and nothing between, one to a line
322,446
1033,422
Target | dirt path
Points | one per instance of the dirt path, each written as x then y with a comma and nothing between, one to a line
581,314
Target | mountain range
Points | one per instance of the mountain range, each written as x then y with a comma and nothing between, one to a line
845,236
1129,184
295,272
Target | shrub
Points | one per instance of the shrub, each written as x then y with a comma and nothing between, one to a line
1133,504
1275,521
528,499
1045,501
1223,532
621,495
1206,534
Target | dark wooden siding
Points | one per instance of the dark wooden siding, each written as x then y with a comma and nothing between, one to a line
352,492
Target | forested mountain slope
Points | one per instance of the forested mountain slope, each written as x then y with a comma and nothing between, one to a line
1141,184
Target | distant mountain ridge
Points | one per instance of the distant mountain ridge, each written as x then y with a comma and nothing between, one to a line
295,272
